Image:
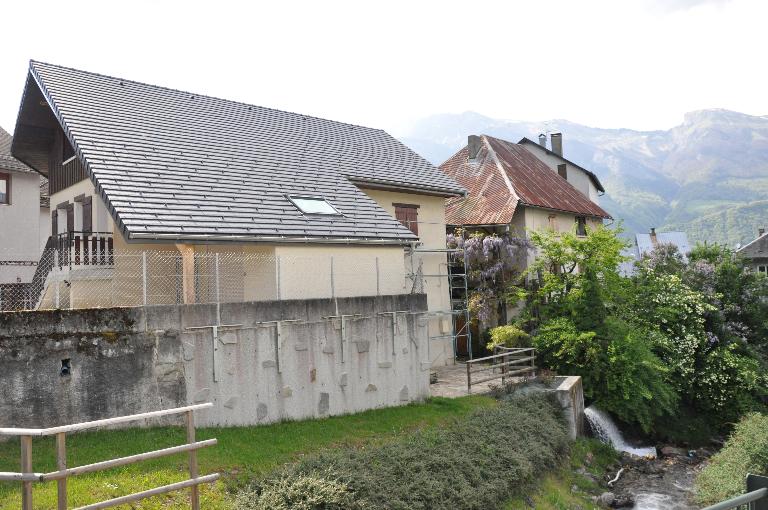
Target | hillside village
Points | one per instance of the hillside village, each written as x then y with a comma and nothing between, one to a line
244,265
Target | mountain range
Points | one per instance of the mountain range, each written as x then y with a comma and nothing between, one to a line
707,177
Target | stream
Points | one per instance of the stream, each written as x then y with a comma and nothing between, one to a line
651,482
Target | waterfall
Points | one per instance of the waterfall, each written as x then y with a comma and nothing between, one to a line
606,431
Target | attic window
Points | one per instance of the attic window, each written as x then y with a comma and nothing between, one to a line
313,205
563,171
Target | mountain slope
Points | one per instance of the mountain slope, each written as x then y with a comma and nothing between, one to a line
708,176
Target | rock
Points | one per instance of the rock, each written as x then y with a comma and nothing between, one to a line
574,488
588,458
673,451
623,501
606,499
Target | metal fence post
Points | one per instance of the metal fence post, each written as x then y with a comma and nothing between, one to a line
26,468
61,464
378,280
144,275
218,290
277,277
194,491
333,282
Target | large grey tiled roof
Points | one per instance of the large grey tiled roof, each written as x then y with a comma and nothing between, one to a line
8,162
173,164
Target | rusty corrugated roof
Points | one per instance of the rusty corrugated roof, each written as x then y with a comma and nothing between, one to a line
503,175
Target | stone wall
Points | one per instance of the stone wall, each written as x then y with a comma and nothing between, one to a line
331,357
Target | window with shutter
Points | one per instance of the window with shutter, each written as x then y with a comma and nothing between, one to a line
581,225
70,217
55,222
5,189
408,215
88,214
563,171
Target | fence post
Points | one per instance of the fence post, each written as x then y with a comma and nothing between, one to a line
61,464
378,284
469,379
218,291
144,275
194,492
26,468
333,282
277,276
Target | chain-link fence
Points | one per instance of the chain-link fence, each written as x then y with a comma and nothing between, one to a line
96,275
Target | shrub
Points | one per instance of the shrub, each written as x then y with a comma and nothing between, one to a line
299,492
508,336
746,451
619,371
478,462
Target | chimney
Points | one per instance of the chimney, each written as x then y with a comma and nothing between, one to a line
760,231
654,241
543,140
557,143
474,144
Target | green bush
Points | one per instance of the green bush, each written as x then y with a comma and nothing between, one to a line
298,492
508,336
619,371
478,462
746,451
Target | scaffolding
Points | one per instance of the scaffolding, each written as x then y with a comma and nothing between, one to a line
458,288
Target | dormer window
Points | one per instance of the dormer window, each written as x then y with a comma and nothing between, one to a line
314,205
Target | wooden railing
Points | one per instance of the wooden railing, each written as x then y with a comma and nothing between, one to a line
508,362
27,477
85,249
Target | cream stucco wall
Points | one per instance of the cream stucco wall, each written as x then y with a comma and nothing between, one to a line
431,219
20,228
102,222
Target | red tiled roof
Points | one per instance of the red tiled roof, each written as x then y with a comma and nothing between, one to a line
503,175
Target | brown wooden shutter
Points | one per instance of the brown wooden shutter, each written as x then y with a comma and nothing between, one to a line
88,214
563,171
70,217
55,222
408,215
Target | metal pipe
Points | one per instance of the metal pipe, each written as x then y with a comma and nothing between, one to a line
749,497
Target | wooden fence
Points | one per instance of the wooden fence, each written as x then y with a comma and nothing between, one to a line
507,362
27,477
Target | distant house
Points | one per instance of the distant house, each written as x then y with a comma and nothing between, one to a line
512,189
23,216
644,244
330,209
755,253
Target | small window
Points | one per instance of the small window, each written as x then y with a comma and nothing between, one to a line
762,269
5,189
563,171
313,205
581,226
408,215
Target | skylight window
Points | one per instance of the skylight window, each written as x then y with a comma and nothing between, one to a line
313,205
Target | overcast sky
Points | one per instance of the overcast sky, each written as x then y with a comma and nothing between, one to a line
631,63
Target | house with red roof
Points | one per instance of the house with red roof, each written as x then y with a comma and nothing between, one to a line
513,187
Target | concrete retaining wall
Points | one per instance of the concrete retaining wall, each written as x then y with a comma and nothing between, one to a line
130,360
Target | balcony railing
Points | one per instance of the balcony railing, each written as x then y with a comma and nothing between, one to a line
84,249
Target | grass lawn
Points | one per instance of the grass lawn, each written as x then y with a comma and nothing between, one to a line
240,454
556,489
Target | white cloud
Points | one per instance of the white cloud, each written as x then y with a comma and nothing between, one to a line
384,64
